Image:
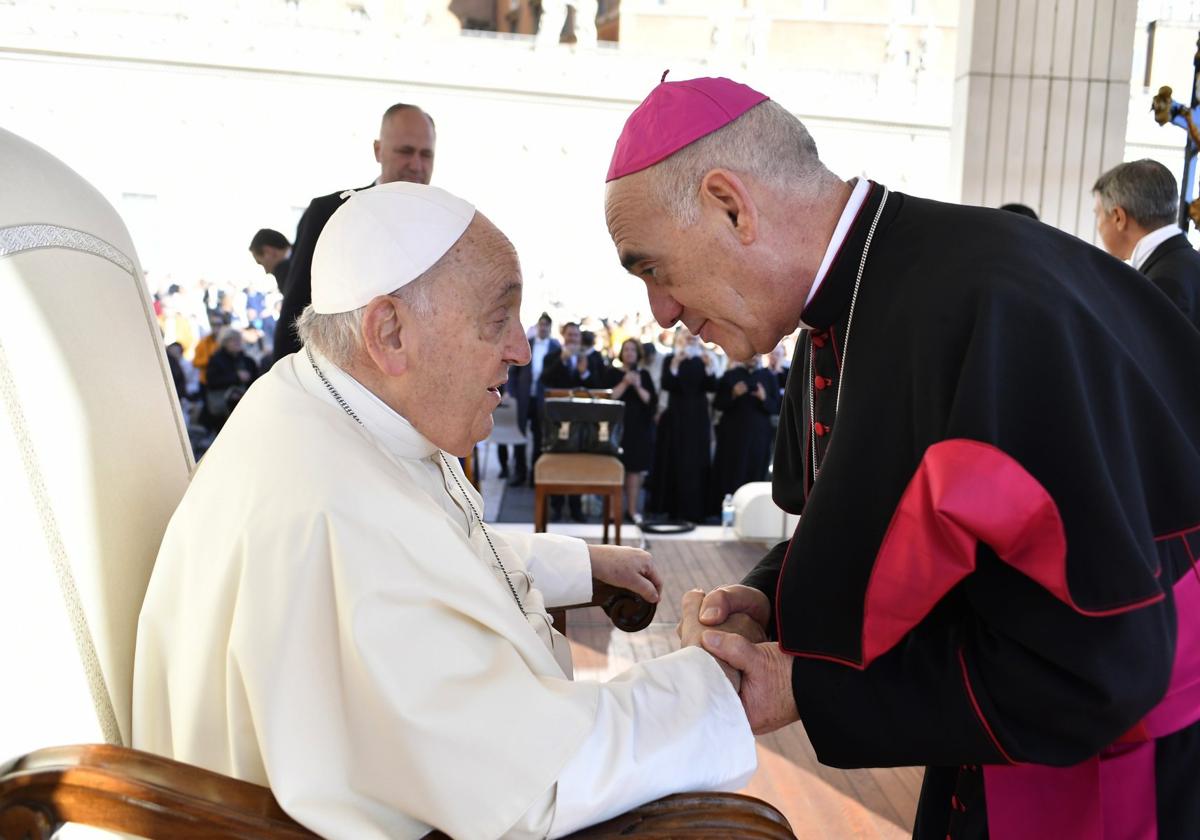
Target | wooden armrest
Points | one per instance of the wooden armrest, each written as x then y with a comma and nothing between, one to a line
695,816
628,610
120,789
689,816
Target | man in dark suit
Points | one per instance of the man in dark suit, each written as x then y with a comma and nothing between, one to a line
404,152
273,252
525,384
1137,204
597,365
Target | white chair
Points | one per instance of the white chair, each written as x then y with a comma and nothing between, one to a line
756,516
94,453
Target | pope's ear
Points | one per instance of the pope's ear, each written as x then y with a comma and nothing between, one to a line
383,335
724,192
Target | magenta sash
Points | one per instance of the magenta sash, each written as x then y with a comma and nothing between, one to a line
1110,796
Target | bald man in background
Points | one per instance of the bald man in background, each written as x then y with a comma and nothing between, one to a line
404,151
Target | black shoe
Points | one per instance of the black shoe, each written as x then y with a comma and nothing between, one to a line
517,480
503,473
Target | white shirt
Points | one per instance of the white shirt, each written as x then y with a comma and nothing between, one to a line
538,351
1146,245
862,189
326,616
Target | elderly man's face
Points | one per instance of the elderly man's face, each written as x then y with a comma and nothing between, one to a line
700,275
464,350
405,148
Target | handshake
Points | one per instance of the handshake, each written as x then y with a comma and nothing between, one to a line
731,624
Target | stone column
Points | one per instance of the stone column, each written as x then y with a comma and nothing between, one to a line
1041,97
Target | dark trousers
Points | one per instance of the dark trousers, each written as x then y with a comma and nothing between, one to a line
574,504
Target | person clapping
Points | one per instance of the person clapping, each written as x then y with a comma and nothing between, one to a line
635,387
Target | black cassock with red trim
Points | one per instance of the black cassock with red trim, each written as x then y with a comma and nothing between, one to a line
995,570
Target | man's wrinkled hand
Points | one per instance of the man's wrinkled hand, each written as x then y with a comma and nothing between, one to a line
736,599
766,684
628,568
690,627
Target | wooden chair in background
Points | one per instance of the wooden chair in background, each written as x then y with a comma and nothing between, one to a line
575,474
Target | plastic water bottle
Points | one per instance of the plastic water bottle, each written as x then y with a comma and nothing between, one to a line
727,510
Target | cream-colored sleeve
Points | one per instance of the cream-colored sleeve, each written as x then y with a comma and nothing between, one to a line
560,566
670,725
535,823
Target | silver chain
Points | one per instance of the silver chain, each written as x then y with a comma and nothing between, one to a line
837,400
346,408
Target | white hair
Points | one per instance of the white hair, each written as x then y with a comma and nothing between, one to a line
767,142
338,336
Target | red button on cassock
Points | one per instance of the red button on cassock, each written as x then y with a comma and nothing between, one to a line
818,340
819,429
822,382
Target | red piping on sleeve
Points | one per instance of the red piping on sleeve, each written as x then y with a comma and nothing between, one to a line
1181,533
979,712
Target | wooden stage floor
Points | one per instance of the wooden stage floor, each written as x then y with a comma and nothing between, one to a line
821,803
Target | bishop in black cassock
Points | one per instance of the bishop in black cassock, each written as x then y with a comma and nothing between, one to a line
992,436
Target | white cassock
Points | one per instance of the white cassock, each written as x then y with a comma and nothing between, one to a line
327,617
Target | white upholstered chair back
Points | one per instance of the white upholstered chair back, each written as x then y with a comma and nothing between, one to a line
94,455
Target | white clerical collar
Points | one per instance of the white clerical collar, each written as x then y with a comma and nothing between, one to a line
858,197
389,428
1146,245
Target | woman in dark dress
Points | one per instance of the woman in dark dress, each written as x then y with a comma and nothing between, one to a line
679,483
635,387
747,396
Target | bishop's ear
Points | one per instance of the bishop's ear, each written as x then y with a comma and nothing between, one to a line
384,336
723,192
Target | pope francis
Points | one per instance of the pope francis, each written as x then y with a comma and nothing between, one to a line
329,615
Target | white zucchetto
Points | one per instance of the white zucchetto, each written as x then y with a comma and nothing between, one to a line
382,238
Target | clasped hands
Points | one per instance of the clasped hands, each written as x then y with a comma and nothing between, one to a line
730,623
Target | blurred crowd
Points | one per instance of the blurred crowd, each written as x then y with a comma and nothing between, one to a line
697,424
219,339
